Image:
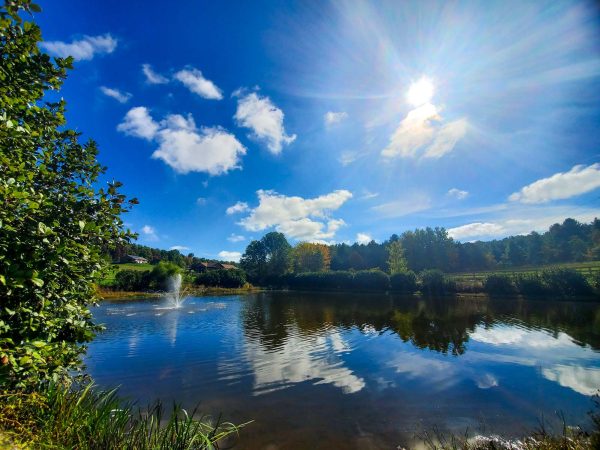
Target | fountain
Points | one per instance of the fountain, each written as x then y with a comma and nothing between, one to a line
175,295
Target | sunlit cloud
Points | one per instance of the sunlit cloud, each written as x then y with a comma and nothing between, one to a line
182,145
194,80
121,97
230,256
82,49
259,114
363,238
446,139
236,238
149,233
179,247
331,117
584,380
457,194
477,229
297,217
153,77
420,92
239,207
577,181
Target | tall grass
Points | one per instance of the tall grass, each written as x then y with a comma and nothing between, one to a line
84,418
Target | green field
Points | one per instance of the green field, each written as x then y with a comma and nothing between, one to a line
589,268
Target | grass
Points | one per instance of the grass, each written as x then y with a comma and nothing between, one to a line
84,418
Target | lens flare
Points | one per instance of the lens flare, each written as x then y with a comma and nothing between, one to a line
420,92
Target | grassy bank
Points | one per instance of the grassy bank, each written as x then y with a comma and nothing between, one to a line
197,291
84,418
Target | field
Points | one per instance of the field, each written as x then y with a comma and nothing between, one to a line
589,268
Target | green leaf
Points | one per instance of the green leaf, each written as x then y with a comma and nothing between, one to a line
81,225
38,282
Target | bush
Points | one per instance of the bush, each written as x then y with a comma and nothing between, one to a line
322,280
233,278
158,278
566,282
371,280
132,280
530,285
405,282
433,282
499,285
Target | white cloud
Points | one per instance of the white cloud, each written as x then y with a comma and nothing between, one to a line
239,207
152,77
457,193
179,247
584,380
579,180
411,204
138,123
475,230
183,146
121,97
347,158
298,218
363,238
332,118
264,119
230,256
236,238
416,132
82,49
367,195
149,233
195,82
200,201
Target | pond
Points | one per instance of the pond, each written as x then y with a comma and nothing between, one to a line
329,371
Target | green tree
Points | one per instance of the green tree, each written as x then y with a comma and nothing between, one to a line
309,257
254,261
277,251
55,223
396,260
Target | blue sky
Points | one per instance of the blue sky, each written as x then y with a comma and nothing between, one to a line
337,121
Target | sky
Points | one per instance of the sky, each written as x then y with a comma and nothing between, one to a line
336,121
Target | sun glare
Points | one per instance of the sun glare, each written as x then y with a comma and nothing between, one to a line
420,92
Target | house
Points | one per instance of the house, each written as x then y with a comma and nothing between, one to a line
137,259
213,265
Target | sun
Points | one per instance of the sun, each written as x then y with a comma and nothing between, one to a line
420,92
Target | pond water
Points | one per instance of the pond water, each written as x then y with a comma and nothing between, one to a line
329,371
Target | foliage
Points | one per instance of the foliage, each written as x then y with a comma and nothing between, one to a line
232,278
160,274
371,280
499,285
530,285
321,280
267,258
87,419
132,280
55,224
566,282
309,257
396,260
404,282
433,282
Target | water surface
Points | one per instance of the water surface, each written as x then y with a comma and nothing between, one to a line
355,371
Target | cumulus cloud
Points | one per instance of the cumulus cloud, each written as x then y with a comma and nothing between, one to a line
476,230
196,83
411,204
138,123
230,256
152,77
236,238
417,137
264,119
363,238
179,247
182,145
332,118
457,193
579,180
121,97
82,49
239,207
584,380
149,233
297,217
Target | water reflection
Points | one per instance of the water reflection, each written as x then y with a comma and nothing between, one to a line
364,371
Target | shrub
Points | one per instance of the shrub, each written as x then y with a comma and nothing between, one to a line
371,280
405,282
530,285
132,280
233,278
433,282
499,285
566,282
161,273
